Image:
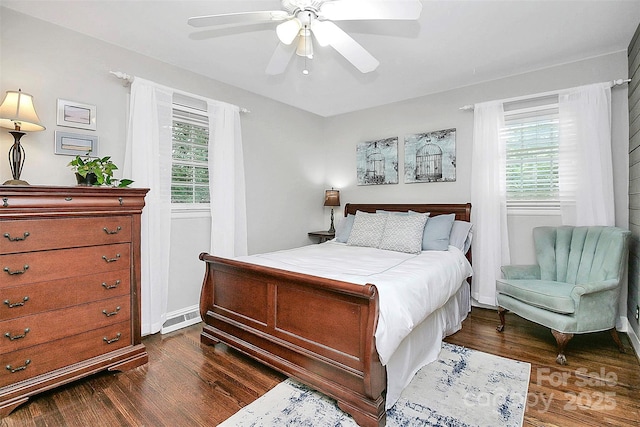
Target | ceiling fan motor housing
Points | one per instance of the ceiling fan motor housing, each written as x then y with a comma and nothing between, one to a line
293,6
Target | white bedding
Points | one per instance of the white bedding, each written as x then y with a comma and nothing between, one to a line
411,287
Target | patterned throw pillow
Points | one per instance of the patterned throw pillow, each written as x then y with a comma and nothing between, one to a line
403,233
367,229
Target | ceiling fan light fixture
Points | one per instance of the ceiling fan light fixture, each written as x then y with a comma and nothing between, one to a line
305,47
288,30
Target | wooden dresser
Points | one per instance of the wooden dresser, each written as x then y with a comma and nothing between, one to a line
69,286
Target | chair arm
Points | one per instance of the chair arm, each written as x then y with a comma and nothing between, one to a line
521,271
590,288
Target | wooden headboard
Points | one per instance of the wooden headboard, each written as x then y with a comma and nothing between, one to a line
462,210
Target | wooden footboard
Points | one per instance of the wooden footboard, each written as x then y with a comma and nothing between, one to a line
319,331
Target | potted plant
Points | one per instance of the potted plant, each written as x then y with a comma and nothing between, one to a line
96,171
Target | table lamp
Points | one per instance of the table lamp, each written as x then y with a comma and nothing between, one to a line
18,113
332,198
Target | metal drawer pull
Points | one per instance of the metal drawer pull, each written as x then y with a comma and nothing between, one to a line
16,239
115,285
104,257
116,231
16,337
16,304
113,313
19,368
112,340
24,270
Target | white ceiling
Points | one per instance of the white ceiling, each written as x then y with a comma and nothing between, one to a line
454,44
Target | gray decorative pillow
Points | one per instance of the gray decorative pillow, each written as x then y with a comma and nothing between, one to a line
436,232
367,229
460,236
403,233
343,230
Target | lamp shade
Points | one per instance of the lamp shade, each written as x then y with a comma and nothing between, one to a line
17,112
332,197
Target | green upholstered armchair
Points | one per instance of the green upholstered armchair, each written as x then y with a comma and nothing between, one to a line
575,286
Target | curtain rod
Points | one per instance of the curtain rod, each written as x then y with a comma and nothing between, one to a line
128,79
469,107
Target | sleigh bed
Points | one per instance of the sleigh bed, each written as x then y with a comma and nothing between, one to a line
320,328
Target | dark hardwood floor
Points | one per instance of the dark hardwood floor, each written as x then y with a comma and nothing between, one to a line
187,383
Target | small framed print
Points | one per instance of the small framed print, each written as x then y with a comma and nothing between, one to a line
76,115
75,144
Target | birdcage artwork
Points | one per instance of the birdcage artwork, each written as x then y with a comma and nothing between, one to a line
377,162
430,156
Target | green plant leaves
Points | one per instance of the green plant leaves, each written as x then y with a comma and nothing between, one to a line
102,167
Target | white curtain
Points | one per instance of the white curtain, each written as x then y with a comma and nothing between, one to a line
226,181
488,198
148,163
585,163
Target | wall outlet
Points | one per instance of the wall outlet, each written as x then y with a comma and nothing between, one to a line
637,312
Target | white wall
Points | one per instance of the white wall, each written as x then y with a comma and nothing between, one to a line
291,156
282,145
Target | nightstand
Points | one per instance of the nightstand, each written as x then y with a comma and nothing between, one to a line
322,236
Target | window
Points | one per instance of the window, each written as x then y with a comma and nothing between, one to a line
531,133
189,171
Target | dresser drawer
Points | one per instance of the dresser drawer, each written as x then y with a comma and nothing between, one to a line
30,362
24,300
20,269
55,233
39,328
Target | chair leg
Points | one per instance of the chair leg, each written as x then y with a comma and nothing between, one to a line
616,338
501,312
562,339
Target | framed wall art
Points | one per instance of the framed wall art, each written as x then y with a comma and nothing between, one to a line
430,156
377,162
75,144
76,115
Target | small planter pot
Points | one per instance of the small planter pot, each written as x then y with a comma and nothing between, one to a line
88,180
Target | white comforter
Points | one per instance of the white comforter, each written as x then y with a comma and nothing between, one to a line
411,287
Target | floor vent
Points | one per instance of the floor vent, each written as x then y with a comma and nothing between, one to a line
181,319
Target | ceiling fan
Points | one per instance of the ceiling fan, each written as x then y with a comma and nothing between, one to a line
301,19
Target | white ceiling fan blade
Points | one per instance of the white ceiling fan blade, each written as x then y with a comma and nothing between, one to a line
280,59
353,10
329,33
241,18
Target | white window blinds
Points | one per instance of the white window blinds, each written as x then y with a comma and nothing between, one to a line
189,172
531,132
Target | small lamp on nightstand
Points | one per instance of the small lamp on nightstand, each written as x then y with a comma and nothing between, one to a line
332,198
18,113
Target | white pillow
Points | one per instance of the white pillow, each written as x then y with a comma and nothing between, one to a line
367,229
403,233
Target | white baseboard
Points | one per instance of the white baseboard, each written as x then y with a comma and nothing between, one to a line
633,337
181,319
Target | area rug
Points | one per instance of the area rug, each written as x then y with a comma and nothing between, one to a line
462,388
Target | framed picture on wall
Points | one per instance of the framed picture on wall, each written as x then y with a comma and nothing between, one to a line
75,144
377,162
76,115
430,156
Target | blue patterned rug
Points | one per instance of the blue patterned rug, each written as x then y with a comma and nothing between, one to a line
462,388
